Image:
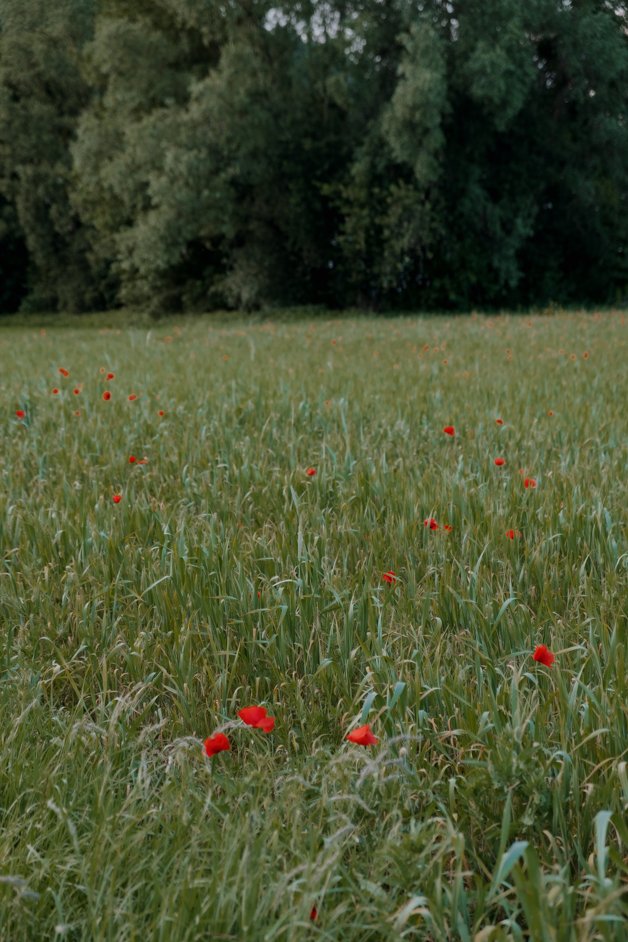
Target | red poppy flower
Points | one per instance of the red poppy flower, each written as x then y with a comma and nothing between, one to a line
313,914
543,655
500,462
76,391
449,430
63,371
448,527
257,717
311,472
499,421
132,459
132,397
161,412
431,523
215,744
55,391
362,736
529,482
111,376
117,498
389,577
20,413
106,395
511,534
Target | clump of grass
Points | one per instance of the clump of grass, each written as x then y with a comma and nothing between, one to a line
493,807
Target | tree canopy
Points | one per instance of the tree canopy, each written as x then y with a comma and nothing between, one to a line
188,154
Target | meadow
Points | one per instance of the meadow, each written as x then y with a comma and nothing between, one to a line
492,807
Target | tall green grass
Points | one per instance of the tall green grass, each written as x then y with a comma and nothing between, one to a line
494,806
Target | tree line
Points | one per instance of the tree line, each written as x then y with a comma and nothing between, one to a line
194,154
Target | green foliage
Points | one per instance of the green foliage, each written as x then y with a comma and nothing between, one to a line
412,123
494,807
14,258
42,94
177,154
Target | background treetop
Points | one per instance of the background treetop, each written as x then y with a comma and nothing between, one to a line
187,154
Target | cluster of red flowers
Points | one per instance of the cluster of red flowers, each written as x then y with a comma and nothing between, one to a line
106,395
499,461
109,375
432,524
257,717
254,716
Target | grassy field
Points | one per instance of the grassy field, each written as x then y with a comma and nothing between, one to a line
493,806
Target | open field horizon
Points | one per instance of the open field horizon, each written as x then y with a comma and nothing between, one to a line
492,807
